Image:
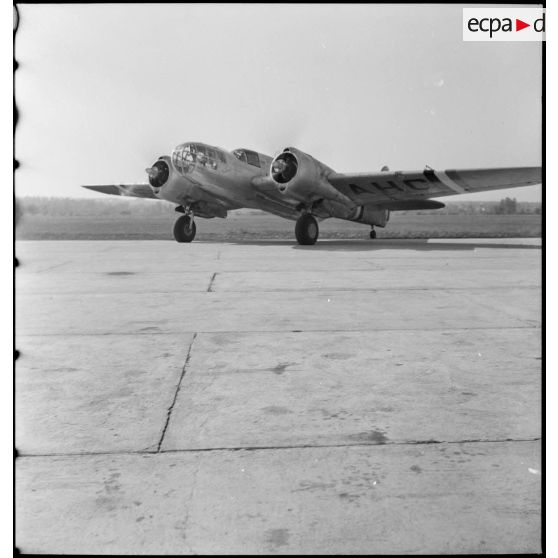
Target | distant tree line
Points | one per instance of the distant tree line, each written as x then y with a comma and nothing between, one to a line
506,206
117,206
71,207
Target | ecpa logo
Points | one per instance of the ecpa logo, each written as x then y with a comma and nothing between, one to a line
503,24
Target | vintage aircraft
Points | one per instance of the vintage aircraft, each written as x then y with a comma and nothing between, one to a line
206,181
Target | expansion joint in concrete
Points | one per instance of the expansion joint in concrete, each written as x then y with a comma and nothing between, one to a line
51,267
210,286
287,447
177,391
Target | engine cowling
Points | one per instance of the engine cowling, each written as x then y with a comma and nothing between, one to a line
168,184
303,178
159,173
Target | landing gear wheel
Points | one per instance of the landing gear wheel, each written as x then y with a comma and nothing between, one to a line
372,234
306,230
184,229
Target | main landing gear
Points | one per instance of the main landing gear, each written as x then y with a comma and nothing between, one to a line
306,230
372,233
185,228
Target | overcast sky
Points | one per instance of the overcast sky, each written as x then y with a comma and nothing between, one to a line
103,90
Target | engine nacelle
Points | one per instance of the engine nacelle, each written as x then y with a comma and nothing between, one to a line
169,184
361,214
371,216
159,173
165,181
303,178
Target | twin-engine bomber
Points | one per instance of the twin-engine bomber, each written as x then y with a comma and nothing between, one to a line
205,181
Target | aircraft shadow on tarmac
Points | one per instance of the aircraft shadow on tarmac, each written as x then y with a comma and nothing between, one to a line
357,245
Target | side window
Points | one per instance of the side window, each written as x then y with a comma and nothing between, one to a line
240,155
211,159
203,157
247,156
189,154
253,159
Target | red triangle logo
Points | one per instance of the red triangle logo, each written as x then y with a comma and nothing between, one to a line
519,25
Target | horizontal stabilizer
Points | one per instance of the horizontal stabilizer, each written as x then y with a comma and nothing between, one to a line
131,190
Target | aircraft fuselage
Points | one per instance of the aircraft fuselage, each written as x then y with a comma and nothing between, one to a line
199,171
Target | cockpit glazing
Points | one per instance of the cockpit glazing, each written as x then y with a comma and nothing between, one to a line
186,156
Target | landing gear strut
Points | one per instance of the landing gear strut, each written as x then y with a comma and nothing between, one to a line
372,233
185,228
306,230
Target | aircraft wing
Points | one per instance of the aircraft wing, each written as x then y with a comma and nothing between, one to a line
132,190
390,189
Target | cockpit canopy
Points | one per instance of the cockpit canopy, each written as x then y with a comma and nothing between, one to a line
187,155
248,156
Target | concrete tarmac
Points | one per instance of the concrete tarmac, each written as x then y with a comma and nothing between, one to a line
351,397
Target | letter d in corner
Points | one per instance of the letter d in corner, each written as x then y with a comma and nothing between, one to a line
503,24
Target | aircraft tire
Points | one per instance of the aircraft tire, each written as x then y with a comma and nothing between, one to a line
372,234
306,230
184,229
